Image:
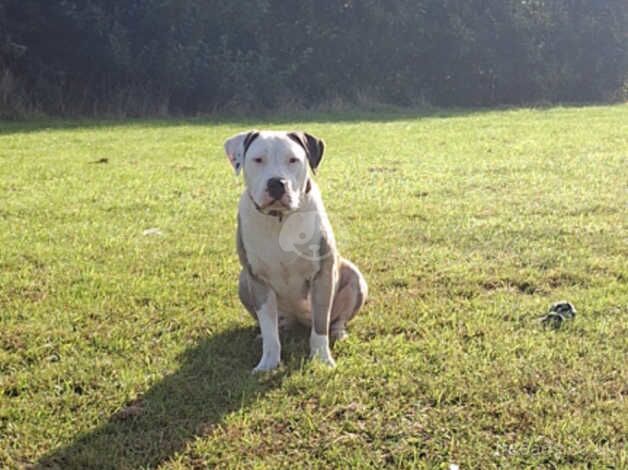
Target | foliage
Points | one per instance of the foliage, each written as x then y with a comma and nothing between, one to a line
189,56
151,56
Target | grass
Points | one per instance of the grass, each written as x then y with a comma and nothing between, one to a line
120,350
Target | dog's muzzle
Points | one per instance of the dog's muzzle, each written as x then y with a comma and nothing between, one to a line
276,188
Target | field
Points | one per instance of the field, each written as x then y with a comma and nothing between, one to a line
120,349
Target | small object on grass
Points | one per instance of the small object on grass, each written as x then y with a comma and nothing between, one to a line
559,312
152,232
132,410
101,160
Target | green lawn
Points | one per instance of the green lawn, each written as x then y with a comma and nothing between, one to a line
123,350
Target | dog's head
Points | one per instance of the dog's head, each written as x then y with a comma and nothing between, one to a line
275,166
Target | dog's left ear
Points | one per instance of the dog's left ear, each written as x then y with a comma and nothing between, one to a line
313,146
236,147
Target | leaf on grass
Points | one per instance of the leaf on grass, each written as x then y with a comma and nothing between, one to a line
152,232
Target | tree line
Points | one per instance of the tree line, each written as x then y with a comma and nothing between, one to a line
143,57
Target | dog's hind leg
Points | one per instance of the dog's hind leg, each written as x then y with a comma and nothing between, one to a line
349,298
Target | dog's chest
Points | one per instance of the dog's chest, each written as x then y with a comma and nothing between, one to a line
287,269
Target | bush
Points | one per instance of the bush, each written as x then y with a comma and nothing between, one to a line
139,57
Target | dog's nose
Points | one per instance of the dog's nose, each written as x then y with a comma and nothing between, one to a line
276,187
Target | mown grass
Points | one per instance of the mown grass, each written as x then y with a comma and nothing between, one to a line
120,350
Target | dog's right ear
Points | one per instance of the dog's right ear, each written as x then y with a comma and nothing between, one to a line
236,147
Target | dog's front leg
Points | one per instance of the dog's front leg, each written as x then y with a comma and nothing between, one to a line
322,299
268,317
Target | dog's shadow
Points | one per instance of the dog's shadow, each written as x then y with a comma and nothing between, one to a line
214,379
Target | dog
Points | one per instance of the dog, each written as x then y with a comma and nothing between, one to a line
291,269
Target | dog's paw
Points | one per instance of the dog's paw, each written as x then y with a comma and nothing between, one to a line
339,335
267,363
319,349
286,323
324,357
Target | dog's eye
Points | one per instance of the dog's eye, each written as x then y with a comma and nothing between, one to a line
258,160
293,160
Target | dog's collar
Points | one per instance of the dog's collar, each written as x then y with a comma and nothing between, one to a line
272,213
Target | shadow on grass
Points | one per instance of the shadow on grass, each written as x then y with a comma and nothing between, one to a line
276,119
214,379
377,114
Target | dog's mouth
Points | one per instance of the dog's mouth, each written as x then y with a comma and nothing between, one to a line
274,206
277,205
284,201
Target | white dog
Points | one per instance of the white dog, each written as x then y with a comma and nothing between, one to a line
290,267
